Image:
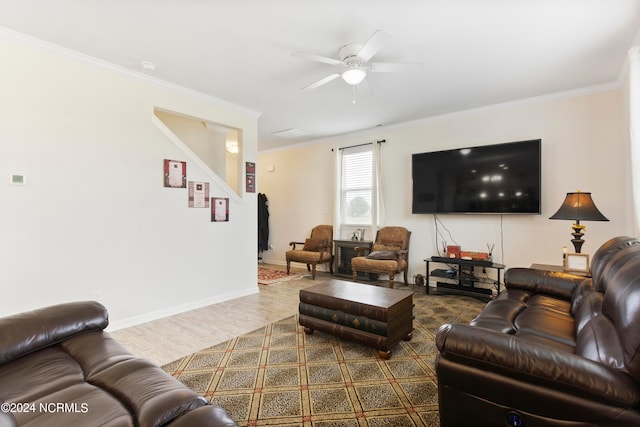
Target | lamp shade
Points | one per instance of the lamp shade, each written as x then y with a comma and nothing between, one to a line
579,206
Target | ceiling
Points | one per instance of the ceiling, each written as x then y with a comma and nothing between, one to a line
475,52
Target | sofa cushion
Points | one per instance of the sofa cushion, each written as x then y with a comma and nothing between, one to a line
622,306
23,333
95,351
84,405
155,397
548,324
602,256
589,307
598,341
552,283
500,313
52,376
314,245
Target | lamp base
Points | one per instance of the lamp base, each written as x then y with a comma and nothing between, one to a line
578,232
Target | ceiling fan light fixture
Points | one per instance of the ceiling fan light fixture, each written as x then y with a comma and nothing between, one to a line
354,76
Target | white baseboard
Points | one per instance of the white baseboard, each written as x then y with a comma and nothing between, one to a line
170,311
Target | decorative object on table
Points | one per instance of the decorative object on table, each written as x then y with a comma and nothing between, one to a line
490,247
453,251
358,235
198,194
219,209
578,206
577,263
474,255
175,173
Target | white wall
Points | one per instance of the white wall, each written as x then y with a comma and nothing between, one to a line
584,147
93,220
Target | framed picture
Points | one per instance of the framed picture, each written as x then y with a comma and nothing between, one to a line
198,194
175,174
578,263
219,209
250,177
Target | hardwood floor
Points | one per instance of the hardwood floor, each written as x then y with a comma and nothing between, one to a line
167,339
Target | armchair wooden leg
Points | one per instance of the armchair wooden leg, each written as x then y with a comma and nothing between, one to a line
288,267
391,276
331,266
355,275
313,272
406,281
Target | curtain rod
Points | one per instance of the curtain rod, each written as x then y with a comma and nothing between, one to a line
381,141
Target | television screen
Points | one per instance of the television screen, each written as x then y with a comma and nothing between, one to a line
499,179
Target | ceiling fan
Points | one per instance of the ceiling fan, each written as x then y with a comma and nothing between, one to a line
354,62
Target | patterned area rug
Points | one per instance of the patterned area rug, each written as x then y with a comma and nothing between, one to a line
279,376
269,276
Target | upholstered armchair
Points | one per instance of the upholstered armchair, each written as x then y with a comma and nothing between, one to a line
317,249
389,254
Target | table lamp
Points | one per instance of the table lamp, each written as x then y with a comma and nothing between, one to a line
578,206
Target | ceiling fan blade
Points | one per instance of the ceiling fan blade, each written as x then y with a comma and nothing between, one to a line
373,45
320,82
318,58
394,67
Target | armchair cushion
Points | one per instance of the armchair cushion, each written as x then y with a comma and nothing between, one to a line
314,245
383,255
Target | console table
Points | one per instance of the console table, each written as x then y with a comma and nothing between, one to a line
461,278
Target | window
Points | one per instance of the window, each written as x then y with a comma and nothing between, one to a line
356,189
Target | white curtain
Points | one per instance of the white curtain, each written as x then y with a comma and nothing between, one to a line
337,221
378,199
634,131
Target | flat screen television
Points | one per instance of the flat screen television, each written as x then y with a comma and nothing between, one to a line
492,179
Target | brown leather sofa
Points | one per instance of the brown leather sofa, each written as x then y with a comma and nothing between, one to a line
59,368
552,350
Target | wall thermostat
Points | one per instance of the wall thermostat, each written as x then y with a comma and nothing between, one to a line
17,179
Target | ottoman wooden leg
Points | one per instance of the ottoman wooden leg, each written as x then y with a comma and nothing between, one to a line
385,354
408,337
308,331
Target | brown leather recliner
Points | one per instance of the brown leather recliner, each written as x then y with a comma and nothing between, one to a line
553,349
59,368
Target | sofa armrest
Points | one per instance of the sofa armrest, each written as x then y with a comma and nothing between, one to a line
553,283
535,364
24,333
213,416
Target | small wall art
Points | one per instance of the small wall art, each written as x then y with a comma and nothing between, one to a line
219,209
175,174
198,194
251,177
